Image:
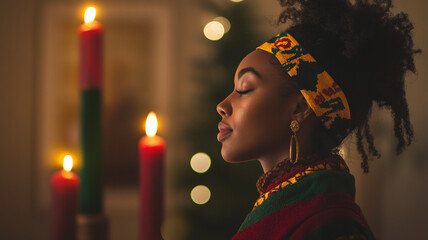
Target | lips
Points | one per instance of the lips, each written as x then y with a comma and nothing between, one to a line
224,131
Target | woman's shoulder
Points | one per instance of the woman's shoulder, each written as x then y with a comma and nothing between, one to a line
319,206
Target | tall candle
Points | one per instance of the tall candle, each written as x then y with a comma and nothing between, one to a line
90,36
152,151
65,186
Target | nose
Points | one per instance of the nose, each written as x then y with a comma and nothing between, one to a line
224,108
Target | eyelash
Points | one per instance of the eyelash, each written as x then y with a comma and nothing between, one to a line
243,92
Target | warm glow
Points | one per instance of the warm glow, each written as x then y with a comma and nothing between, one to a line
236,0
57,156
200,194
214,30
200,162
90,14
68,163
151,124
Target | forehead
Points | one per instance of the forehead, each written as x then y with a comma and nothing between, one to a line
263,62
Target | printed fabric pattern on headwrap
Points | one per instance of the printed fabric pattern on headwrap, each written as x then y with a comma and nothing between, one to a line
323,95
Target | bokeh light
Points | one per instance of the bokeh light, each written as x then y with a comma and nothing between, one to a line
236,0
225,22
200,162
214,30
200,194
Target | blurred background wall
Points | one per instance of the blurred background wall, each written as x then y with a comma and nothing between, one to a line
39,114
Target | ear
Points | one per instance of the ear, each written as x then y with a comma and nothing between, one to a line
302,109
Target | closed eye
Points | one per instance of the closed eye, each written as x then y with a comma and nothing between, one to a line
243,92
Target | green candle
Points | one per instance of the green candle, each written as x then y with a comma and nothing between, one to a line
91,177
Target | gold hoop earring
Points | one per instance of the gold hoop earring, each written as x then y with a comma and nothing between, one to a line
294,125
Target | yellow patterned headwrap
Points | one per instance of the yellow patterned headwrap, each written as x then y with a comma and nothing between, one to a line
323,95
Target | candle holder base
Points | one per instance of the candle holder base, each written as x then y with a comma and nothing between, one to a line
92,227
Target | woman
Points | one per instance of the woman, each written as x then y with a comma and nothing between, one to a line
298,96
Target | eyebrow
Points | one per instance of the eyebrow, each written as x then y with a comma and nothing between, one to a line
248,69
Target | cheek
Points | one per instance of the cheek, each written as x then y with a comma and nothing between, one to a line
265,117
260,128
269,124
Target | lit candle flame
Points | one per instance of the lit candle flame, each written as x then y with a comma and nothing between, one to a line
68,163
90,14
151,124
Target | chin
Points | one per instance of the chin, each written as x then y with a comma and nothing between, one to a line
234,157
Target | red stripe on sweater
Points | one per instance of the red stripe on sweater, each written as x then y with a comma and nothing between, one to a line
302,218
332,158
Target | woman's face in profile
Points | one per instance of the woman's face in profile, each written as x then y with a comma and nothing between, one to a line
256,115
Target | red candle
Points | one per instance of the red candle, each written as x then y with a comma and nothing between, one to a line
152,151
65,186
90,36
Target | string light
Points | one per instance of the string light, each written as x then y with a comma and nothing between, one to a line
214,30
200,162
200,194
225,22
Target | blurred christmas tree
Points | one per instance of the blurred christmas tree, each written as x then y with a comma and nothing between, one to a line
232,186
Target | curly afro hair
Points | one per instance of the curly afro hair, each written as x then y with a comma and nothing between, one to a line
367,50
